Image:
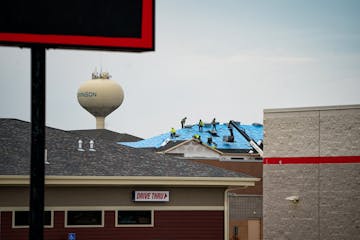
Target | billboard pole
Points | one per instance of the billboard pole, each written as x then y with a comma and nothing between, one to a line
37,166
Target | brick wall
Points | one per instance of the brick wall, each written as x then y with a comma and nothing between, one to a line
329,193
177,225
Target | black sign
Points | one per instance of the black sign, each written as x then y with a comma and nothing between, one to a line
101,24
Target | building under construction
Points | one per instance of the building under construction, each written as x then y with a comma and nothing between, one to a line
98,189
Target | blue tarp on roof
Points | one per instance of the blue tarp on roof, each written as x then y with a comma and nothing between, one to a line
255,131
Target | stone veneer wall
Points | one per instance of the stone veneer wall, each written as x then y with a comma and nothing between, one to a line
325,143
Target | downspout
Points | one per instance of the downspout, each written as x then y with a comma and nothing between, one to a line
226,210
226,214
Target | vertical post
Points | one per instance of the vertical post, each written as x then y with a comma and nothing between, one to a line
37,166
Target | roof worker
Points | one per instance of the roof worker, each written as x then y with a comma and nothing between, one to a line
197,137
183,122
214,123
172,132
201,125
231,137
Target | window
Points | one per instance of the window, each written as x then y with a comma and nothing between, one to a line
22,219
135,218
84,218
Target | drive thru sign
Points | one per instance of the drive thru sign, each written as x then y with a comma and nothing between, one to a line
151,196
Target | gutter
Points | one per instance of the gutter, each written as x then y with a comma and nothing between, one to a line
23,180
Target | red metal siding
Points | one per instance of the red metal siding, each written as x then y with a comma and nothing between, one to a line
190,225
175,225
7,232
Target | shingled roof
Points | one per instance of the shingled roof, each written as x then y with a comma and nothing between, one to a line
109,159
108,135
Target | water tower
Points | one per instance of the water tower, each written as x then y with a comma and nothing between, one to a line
100,96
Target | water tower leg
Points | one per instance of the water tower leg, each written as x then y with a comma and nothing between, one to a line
100,122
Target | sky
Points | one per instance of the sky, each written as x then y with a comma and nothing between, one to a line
228,59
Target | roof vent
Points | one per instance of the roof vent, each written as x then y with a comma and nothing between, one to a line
80,148
91,149
45,157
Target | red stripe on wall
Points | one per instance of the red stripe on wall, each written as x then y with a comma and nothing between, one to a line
312,160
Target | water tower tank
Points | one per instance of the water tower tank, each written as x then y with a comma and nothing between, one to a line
100,96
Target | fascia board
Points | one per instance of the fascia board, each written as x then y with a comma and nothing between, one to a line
17,180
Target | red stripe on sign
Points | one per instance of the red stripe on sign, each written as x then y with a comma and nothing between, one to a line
312,160
147,23
146,41
73,40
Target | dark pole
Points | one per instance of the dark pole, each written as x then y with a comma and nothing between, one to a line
37,167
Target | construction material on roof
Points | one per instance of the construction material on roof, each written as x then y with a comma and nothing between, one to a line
255,131
257,147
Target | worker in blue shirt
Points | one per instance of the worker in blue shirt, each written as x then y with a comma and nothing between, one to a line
214,123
